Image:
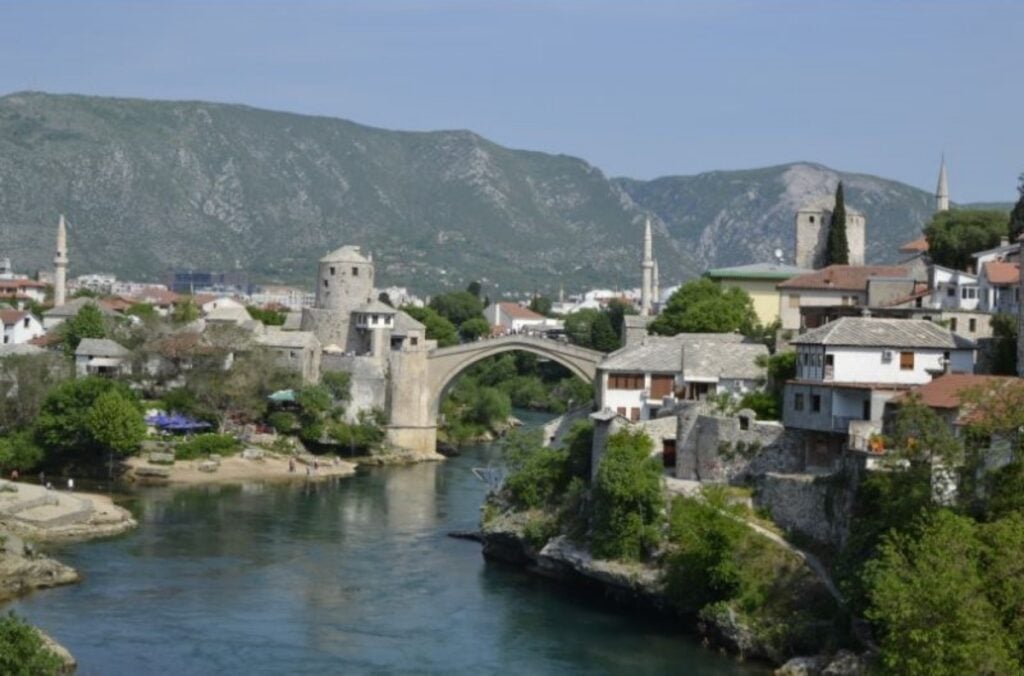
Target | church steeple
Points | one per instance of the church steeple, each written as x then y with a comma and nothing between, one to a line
60,264
942,190
647,268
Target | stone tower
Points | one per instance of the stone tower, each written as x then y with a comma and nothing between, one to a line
813,221
656,285
942,189
647,268
344,283
60,264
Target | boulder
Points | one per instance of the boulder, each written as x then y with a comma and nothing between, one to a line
208,466
803,666
153,472
846,663
253,454
161,458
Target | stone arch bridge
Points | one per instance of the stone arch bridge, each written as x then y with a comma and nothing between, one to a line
417,394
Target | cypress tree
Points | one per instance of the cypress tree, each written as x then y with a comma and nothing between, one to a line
837,251
1017,215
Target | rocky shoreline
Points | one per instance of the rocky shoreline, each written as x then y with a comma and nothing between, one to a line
640,586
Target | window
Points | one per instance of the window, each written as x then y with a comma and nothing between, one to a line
325,283
25,322
355,272
816,403
972,325
798,402
744,422
634,414
626,381
906,361
661,386
950,291
811,219
414,340
332,271
621,410
952,324
794,300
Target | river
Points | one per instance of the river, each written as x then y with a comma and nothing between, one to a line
350,576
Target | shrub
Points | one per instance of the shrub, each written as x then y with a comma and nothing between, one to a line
282,421
539,529
539,474
23,651
628,499
763,404
18,451
703,567
202,445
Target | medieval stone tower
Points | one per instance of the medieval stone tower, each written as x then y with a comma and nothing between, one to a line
813,221
344,283
60,264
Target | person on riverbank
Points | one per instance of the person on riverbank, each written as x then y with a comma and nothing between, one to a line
42,478
71,484
14,474
291,465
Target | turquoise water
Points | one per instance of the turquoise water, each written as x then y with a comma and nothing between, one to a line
347,577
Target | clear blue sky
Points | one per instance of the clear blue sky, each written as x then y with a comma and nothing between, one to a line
642,89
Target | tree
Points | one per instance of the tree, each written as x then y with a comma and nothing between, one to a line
954,235
602,335
927,596
474,288
23,651
627,498
385,298
268,317
143,311
541,305
471,329
579,326
617,310
115,423
438,328
702,306
19,451
837,250
1004,344
88,323
25,382
185,310
457,306
63,423
1016,225
919,434
339,384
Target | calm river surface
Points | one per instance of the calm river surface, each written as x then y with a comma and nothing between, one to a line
355,576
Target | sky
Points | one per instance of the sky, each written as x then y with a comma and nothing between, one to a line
638,88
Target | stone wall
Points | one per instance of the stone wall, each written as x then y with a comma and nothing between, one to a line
368,384
819,507
734,449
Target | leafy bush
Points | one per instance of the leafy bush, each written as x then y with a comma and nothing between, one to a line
19,451
539,529
538,474
368,432
628,499
765,405
282,421
22,650
703,567
202,445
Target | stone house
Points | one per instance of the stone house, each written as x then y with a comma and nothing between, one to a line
804,301
101,357
848,369
297,351
57,315
512,317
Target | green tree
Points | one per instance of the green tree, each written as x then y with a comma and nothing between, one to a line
339,384
143,311
927,597
471,329
837,249
919,434
185,310
268,317
955,234
88,323
474,288
115,423
541,305
602,335
25,382
702,306
62,425
23,651
18,451
1016,225
628,500
457,306
579,326
617,310
438,328
1004,344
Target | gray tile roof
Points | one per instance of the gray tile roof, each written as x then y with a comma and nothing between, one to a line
376,307
19,349
293,340
661,353
878,332
292,321
404,323
712,360
71,308
101,347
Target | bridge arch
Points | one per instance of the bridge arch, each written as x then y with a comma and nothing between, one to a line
446,364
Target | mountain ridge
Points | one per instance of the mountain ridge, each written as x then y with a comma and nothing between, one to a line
153,185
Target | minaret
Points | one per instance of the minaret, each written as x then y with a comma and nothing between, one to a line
942,190
647,267
60,264
656,286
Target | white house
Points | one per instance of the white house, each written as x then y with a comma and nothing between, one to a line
512,317
999,287
20,289
848,369
952,289
100,356
20,326
639,380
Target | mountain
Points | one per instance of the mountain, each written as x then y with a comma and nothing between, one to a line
150,186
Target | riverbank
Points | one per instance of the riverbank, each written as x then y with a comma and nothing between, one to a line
238,469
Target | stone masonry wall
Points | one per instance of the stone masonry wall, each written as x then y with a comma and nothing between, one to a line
816,506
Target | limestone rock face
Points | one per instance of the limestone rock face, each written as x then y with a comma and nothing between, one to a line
21,570
802,666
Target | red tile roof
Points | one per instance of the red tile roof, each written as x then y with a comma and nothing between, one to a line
1000,272
10,316
918,245
947,391
516,311
21,284
844,277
